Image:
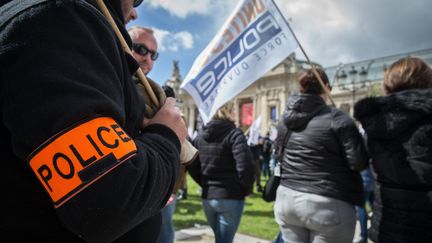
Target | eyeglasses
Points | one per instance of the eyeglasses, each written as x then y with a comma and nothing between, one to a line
143,50
136,3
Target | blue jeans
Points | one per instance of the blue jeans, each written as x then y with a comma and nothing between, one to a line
272,165
167,230
278,238
223,216
265,167
362,214
307,217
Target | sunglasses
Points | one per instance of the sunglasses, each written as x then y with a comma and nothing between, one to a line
136,3
143,50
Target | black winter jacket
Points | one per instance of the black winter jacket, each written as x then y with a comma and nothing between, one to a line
62,67
224,168
399,130
325,150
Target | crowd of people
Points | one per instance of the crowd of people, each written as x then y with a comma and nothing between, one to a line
89,158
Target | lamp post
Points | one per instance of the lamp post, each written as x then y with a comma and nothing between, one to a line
354,81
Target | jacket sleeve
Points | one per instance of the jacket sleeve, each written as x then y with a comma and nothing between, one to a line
63,65
244,160
351,141
194,168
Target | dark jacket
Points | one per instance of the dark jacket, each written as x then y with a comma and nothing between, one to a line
279,144
399,130
225,167
325,150
62,65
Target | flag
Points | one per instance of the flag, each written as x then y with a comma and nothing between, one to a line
255,38
254,132
273,133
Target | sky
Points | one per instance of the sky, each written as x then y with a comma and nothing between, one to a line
330,31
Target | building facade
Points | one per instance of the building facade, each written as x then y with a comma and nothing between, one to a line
354,81
267,96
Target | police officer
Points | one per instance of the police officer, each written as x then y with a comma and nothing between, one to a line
79,162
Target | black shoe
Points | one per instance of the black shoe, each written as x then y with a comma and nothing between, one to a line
259,188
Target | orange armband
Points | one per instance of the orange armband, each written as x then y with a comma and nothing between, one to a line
78,156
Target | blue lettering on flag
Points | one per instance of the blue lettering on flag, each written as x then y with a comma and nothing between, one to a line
257,34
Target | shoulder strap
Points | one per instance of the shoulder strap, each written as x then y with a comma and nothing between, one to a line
14,8
278,168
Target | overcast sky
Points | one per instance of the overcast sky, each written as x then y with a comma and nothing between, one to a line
331,31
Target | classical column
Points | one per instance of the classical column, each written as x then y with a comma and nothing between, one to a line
263,109
283,95
237,112
192,117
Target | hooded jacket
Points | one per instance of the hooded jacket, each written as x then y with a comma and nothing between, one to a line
66,91
224,168
399,130
324,152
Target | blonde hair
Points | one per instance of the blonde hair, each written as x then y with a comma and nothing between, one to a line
407,73
225,112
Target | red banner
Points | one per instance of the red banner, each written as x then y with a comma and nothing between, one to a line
246,114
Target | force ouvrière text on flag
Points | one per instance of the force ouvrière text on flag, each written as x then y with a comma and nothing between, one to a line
254,39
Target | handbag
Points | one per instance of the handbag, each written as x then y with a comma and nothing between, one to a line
271,186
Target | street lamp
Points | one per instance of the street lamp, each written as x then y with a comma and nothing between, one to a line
357,80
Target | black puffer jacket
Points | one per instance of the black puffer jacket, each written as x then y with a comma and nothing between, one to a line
399,129
224,168
325,151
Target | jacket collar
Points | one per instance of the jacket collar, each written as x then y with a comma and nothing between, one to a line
388,116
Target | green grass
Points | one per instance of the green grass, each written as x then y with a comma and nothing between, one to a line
257,220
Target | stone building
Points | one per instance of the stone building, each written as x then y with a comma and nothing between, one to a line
354,81
267,96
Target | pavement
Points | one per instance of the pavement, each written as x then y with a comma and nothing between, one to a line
204,234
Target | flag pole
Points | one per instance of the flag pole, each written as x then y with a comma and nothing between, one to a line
188,152
326,91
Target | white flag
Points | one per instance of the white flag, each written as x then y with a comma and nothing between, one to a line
273,133
254,39
254,132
